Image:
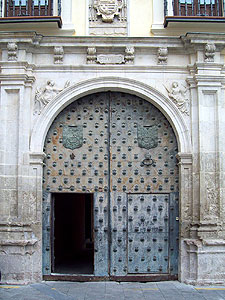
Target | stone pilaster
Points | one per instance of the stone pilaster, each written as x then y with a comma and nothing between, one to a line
207,110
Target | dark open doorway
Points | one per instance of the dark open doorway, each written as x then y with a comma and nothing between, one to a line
72,234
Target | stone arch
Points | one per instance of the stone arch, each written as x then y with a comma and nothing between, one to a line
78,90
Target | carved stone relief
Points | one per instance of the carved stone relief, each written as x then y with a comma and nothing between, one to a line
178,94
58,55
12,51
108,9
212,198
45,94
162,55
109,58
210,51
108,17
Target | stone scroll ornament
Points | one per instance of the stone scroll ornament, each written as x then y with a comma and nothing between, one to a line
45,94
108,9
147,136
177,93
72,136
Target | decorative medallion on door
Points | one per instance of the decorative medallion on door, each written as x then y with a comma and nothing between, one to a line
147,136
72,136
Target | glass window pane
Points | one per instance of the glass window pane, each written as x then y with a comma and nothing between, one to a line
23,2
186,1
207,1
201,1
42,2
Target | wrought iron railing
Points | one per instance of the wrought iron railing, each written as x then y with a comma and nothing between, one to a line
201,8
28,8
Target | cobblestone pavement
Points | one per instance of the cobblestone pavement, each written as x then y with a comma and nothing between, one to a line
172,290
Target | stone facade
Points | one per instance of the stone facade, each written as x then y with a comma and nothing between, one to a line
183,77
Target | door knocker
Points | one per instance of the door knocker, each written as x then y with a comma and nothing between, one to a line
148,161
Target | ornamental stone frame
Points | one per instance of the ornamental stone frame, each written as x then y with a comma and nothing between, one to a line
200,137
74,92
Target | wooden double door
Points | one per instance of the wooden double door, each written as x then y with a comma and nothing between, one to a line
113,157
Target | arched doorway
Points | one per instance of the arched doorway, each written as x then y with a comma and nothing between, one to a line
110,189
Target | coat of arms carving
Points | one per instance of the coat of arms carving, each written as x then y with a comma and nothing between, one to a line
72,137
108,9
147,136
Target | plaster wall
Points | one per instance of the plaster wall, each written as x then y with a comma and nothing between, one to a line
80,17
140,17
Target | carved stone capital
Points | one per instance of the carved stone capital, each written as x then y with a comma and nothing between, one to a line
194,242
37,158
184,158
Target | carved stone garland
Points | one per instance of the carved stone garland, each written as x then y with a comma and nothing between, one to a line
210,51
12,51
91,55
58,55
162,55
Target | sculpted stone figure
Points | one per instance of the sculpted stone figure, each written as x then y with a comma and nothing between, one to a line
45,94
177,94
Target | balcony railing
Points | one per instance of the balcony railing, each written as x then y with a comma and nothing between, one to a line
28,8
196,8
